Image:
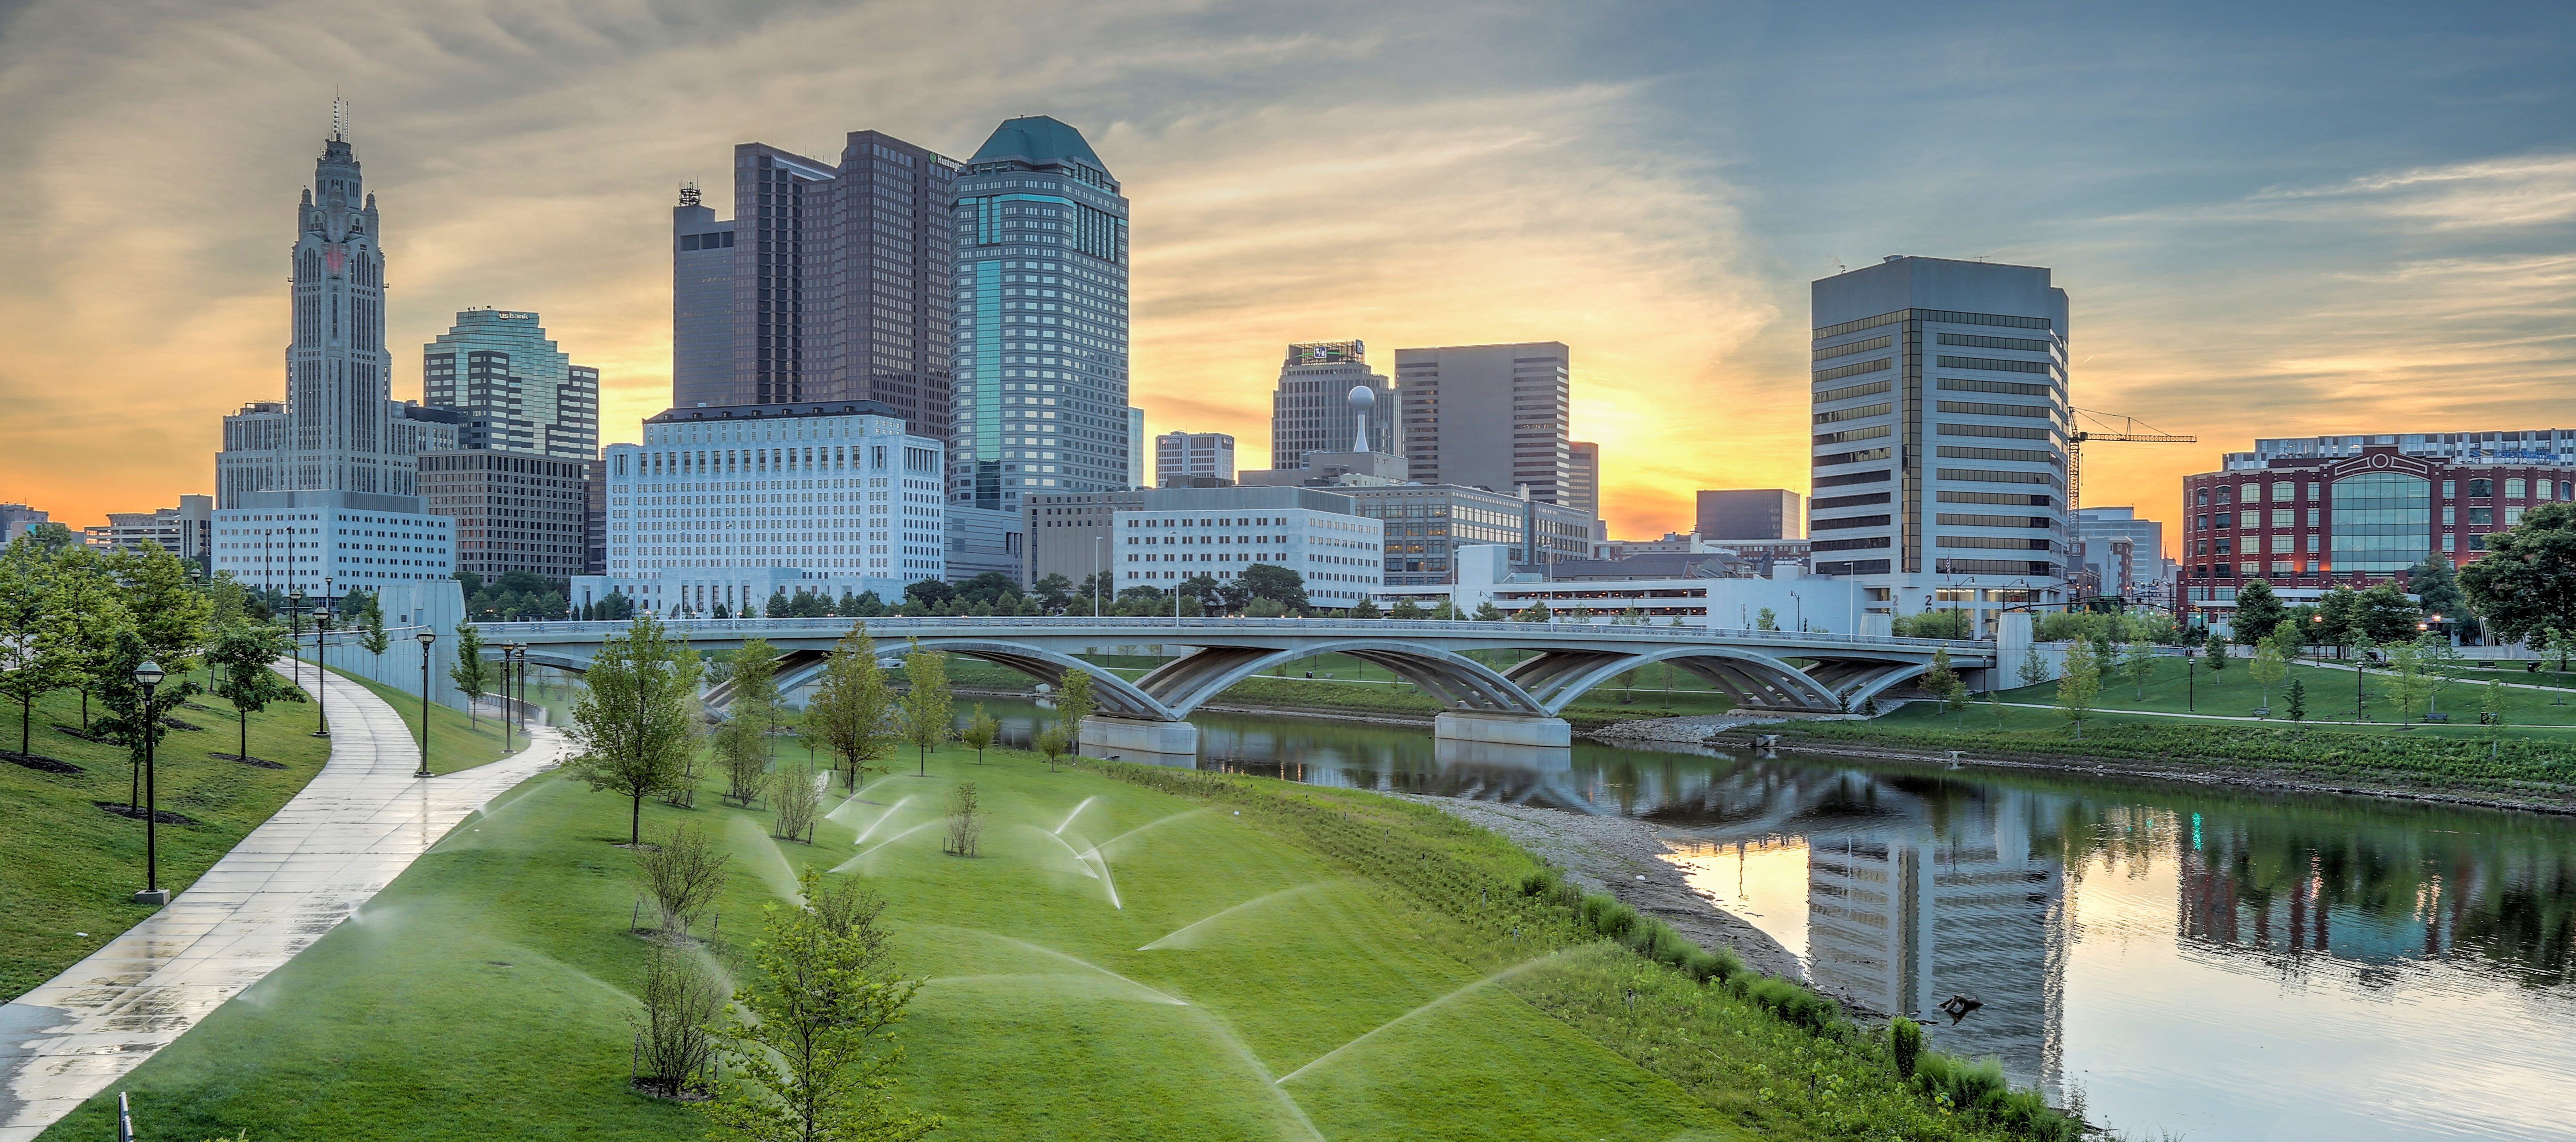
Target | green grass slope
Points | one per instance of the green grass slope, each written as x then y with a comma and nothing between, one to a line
68,868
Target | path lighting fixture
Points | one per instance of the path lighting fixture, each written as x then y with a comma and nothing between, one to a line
426,638
321,625
149,676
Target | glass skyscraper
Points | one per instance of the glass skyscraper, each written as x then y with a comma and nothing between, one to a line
1039,401
517,391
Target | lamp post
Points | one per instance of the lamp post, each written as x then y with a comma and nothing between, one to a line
295,635
521,649
1099,575
321,626
505,697
149,677
426,638
2191,682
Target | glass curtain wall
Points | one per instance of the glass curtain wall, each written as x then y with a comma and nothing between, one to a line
2383,522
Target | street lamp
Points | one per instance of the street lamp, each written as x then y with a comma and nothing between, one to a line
504,695
321,626
295,638
426,638
149,676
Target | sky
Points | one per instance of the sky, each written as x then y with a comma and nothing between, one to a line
2272,220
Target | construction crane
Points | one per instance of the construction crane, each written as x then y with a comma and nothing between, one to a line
2125,431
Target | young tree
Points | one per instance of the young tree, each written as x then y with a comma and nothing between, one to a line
1367,609
371,625
2436,584
755,680
2258,610
2338,614
2407,684
929,708
2491,709
1942,682
1766,619
811,1038
40,651
965,820
471,674
851,705
742,747
2140,662
2298,701
1487,612
89,601
981,729
2563,644
2034,669
167,610
683,874
1536,612
681,1000
1995,702
633,720
2217,651
2269,667
793,797
2079,685
1052,741
129,722
2388,614
2527,579
240,660
2442,665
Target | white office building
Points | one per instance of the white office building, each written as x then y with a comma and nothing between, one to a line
727,505
1939,435
1182,533
322,542
1178,456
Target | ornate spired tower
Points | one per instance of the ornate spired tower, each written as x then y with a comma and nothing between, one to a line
339,429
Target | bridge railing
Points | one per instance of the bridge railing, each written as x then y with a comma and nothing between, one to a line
943,624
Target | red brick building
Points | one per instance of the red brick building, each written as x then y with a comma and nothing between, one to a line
2306,525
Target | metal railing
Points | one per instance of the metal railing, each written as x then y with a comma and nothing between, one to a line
1150,625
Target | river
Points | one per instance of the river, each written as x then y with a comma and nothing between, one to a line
2203,963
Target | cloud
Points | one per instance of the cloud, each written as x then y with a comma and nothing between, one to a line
2524,191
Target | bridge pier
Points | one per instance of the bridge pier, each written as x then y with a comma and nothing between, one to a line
1136,739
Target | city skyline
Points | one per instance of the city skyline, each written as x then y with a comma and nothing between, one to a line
2358,245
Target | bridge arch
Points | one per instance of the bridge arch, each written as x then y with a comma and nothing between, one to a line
1459,682
1557,677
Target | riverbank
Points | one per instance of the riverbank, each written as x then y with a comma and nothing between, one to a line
1626,858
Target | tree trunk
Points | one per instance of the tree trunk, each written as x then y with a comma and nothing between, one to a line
26,724
243,716
635,822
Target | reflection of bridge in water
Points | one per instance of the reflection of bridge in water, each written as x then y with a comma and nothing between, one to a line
1512,707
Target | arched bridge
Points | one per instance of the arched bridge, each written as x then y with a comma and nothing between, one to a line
1762,670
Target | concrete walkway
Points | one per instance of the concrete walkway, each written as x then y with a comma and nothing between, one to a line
357,826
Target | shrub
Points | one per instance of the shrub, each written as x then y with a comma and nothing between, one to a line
1905,1040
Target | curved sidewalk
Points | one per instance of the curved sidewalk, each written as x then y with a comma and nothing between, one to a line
356,827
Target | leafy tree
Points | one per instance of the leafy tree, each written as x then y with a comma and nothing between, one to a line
2216,648
1367,609
1203,590
1944,683
2563,644
89,601
742,748
851,706
168,611
2442,665
40,648
632,722
2339,612
2436,584
1053,742
989,587
1995,702
370,621
1408,610
50,537
471,674
1487,612
929,592
755,680
966,815
683,873
2258,610
1445,612
1278,584
129,721
811,1036
2271,662
2141,660
2034,669
2407,684
1766,619
240,659
680,1000
2388,614
2079,685
794,798
981,729
1053,592
2527,579
929,708
2491,708
1073,704
1536,612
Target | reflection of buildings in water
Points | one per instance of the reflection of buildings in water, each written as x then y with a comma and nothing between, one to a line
2287,901
1905,919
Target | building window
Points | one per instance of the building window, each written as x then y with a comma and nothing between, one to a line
2479,488
2513,489
2381,521
2482,516
2450,543
2283,492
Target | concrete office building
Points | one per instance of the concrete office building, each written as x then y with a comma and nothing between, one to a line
594,518
2540,445
325,543
979,541
1426,523
1940,420
1583,486
728,505
517,391
1702,590
15,519
1039,397
1136,473
1175,534
1489,416
1311,409
1750,513
513,511
1068,534
339,429
2141,572
828,285
186,531
1182,455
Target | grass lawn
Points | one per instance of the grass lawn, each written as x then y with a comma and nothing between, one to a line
2233,692
455,740
1151,993
69,871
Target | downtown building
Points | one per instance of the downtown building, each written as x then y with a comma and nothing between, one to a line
527,423
829,285
1175,534
1188,456
2539,445
2307,525
320,492
1749,513
1311,410
1038,402
728,505
1497,417
1939,435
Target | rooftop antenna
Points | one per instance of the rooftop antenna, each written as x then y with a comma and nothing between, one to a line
689,194
339,118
